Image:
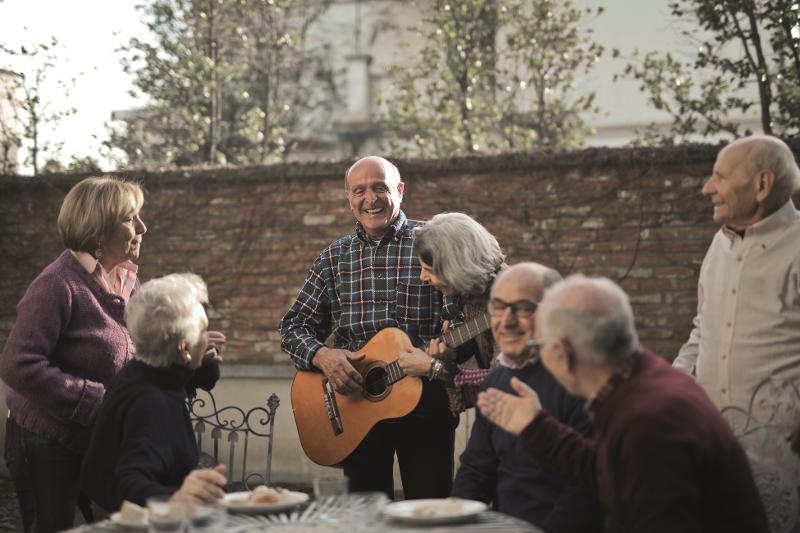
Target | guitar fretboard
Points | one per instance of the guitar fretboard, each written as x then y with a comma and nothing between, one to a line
460,334
393,373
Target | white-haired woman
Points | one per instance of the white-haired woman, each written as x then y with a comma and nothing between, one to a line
142,444
459,258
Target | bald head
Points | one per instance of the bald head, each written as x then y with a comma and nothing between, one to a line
594,315
515,296
531,279
765,153
374,164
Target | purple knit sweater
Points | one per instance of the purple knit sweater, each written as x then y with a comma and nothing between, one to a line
68,341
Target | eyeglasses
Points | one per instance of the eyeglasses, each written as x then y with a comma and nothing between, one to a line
520,308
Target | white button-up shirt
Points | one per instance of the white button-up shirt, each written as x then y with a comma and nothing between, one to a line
748,309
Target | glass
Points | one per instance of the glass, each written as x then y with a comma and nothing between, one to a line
520,308
330,486
206,518
367,507
166,515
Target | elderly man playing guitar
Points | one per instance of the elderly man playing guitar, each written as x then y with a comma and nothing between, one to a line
363,283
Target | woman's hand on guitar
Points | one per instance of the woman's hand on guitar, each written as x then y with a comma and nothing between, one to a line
337,365
414,362
438,349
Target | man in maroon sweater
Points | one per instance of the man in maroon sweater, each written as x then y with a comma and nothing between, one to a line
663,459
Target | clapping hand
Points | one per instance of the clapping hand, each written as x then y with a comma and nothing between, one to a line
510,412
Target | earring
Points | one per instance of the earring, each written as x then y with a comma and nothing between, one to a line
98,254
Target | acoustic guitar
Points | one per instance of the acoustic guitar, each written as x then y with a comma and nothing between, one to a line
332,425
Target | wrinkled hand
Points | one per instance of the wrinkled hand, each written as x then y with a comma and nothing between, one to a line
216,343
438,349
337,365
507,411
415,362
203,485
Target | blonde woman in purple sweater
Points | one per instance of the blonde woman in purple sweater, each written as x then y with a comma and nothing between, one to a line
68,341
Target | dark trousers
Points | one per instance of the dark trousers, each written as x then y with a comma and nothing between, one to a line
424,447
46,478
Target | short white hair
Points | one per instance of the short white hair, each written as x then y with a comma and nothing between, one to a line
164,312
594,315
772,154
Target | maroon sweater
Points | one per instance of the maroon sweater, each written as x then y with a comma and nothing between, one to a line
68,341
664,460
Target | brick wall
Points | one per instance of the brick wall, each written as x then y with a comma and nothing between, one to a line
635,215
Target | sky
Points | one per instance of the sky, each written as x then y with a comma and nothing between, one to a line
90,32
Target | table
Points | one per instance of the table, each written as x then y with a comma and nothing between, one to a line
343,515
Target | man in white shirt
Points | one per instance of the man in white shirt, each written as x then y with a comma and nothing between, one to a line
748,309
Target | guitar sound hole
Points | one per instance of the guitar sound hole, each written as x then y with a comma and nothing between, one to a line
375,382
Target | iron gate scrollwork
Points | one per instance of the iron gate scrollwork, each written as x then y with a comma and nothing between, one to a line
228,431
762,429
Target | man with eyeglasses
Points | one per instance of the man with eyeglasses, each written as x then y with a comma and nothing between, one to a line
495,467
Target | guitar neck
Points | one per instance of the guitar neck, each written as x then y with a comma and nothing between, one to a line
393,372
458,335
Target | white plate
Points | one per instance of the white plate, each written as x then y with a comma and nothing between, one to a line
236,502
434,511
141,526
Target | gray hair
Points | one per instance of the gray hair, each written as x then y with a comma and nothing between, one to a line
461,252
390,171
772,154
164,312
594,315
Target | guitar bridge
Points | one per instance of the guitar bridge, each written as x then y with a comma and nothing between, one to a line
332,408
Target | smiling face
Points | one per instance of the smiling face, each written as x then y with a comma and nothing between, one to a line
124,241
374,197
734,189
432,279
510,331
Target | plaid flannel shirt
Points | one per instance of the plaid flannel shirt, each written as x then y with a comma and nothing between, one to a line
356,288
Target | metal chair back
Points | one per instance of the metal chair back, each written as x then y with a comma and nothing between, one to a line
225,432
762,429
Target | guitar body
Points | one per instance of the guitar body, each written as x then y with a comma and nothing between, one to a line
328,439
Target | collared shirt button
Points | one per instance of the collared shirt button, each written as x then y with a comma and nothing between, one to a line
739,258
724,356
728,324
734,291
724,390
